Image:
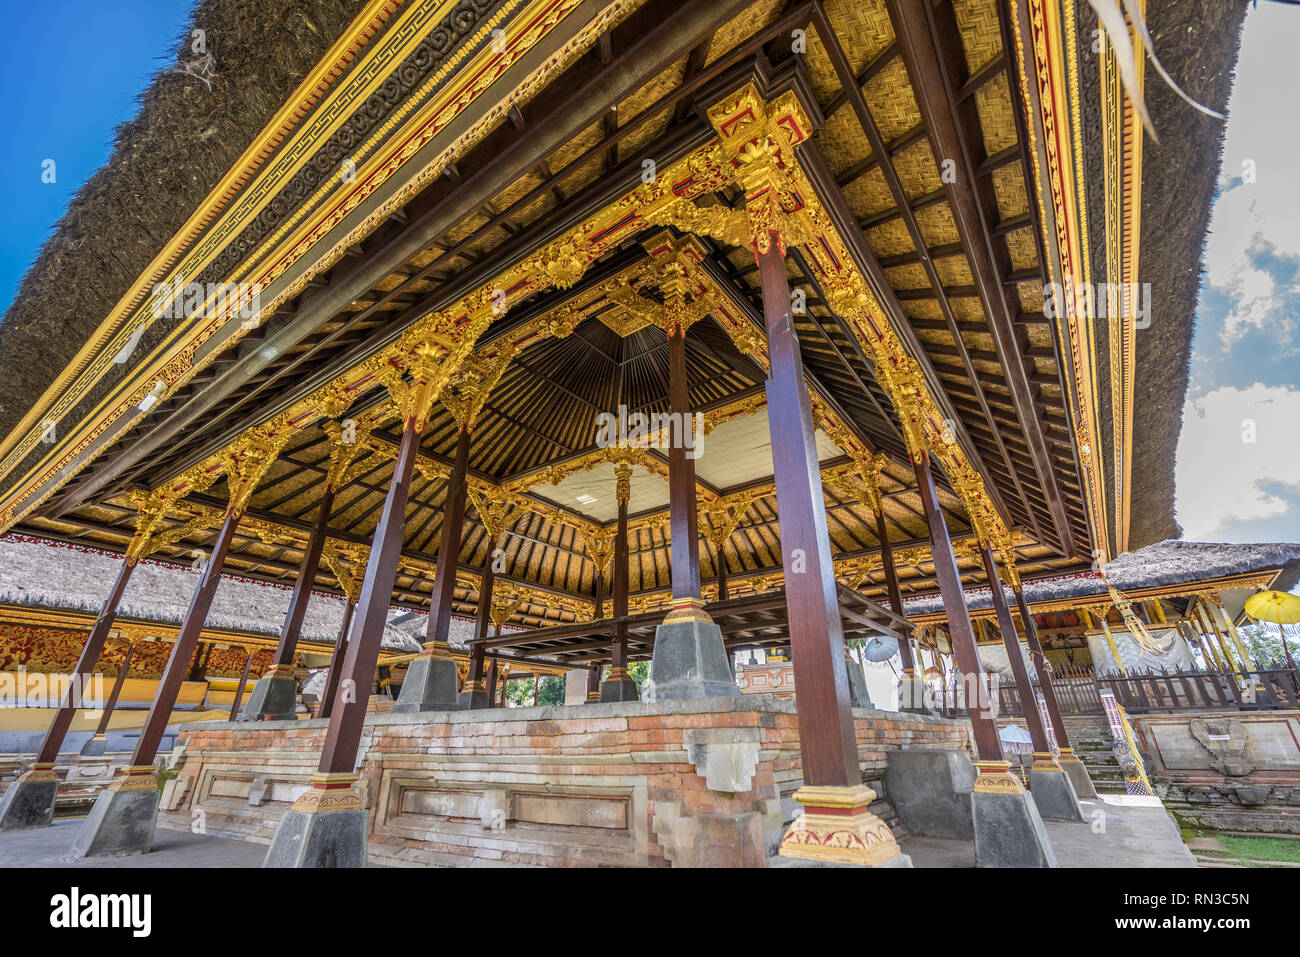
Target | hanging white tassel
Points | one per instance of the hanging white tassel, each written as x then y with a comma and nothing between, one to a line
1116,27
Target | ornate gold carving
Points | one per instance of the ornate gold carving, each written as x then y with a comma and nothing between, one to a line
837,826
995,777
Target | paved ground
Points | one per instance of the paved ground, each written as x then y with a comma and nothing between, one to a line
1120,831
49,847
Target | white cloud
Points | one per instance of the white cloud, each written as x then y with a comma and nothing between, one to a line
1258,135
1233,440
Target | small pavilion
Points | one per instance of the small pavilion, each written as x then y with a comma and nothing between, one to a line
632,331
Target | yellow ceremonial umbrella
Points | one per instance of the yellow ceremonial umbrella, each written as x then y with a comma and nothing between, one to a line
1279,607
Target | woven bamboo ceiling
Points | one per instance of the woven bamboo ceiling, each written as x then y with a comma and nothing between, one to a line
969,301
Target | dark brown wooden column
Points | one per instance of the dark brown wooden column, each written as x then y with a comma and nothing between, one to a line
684,533
444,575
336,662
722,570
826,737
239,691
1011,642
98,741
475,686
1044,671
155,723
339,753
90,652
288,643
618,684
960,632
891,586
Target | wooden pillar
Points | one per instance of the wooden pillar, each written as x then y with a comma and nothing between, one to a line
288,643
493,672
336,661
826,736
1044,672
90,651
474,683
1011,642
96,743
618,684
444,575
684,536
721,562
339,754
239,691
891,587
155,724
960,633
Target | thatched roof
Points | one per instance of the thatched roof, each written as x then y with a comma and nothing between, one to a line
1165,563
37,574
189,132
1198,42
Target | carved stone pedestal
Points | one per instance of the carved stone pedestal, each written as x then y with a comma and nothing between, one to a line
859,696
326,827
1052,790
431,684
123,818
837,827
273,697
914,695
930,790
690,660
1077,771
1008,829
29,801
619,686
474,696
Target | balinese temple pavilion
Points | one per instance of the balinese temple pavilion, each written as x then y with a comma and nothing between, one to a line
617,331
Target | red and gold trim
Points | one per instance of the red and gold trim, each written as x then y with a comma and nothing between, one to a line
995,777
136,777
837,826
330,792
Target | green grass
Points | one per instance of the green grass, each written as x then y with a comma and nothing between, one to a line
1263,848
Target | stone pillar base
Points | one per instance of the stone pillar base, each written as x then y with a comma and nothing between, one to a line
859,696
836,827
326,827
1077,771
930,791
690,659
1052,790
95,746
619,687
474,696
273,698
123,818
1008,829
431,684
914,696
29,801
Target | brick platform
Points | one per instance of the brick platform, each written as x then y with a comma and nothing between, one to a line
703,782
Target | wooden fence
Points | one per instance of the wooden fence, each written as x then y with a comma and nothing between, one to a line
1079,691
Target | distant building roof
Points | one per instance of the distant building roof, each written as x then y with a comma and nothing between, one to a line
40,574
1169,562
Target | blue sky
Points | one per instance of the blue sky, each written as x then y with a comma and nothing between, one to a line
1238,477
71,71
